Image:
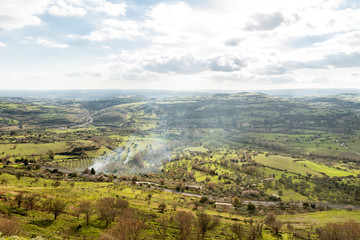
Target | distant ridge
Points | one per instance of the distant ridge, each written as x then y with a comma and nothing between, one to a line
290,93
89,94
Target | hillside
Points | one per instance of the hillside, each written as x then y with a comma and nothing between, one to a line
234,156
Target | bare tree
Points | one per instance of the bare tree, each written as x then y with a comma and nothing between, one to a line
276,226
270,218
86,208
19,198
31,200
56,206
18,175
273,223
206,223
349,230
128,227
238,231
184,221
163,226
255,231
108,208
121,204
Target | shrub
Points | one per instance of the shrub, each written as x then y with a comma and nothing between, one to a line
18,175
236,201
349,230
162,207
19,198
9,226
251,208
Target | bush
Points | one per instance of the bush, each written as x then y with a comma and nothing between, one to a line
18,175
9,226
251,208
349,230
162,207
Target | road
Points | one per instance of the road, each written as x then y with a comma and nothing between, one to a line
257,203
346,147
89,119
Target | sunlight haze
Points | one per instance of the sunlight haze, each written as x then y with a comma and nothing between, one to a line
179,45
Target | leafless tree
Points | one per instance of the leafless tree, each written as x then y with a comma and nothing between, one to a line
108,208
349,230
206,223
184,221
273,223
128,227
163,226
255,231
238,231
19,198
56,206
18,175
31,200
86,208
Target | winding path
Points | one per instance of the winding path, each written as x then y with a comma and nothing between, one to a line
346,147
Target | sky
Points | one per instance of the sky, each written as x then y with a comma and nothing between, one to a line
179,45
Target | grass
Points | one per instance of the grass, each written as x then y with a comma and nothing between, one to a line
288,195
22,149
331,172
354,145
196,149
41,223
285,163
277,174
321,218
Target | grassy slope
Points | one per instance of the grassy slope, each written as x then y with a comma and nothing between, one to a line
331,172
285,163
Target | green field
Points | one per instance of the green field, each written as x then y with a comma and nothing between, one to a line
329,171
22,149
285,163
320,218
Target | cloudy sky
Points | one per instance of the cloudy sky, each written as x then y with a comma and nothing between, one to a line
180,45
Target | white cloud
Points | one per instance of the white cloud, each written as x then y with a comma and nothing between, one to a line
2,44
51,44
253,42
109,8
65,8
224,44
265,22
19,13
354,74
116,29
81,8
